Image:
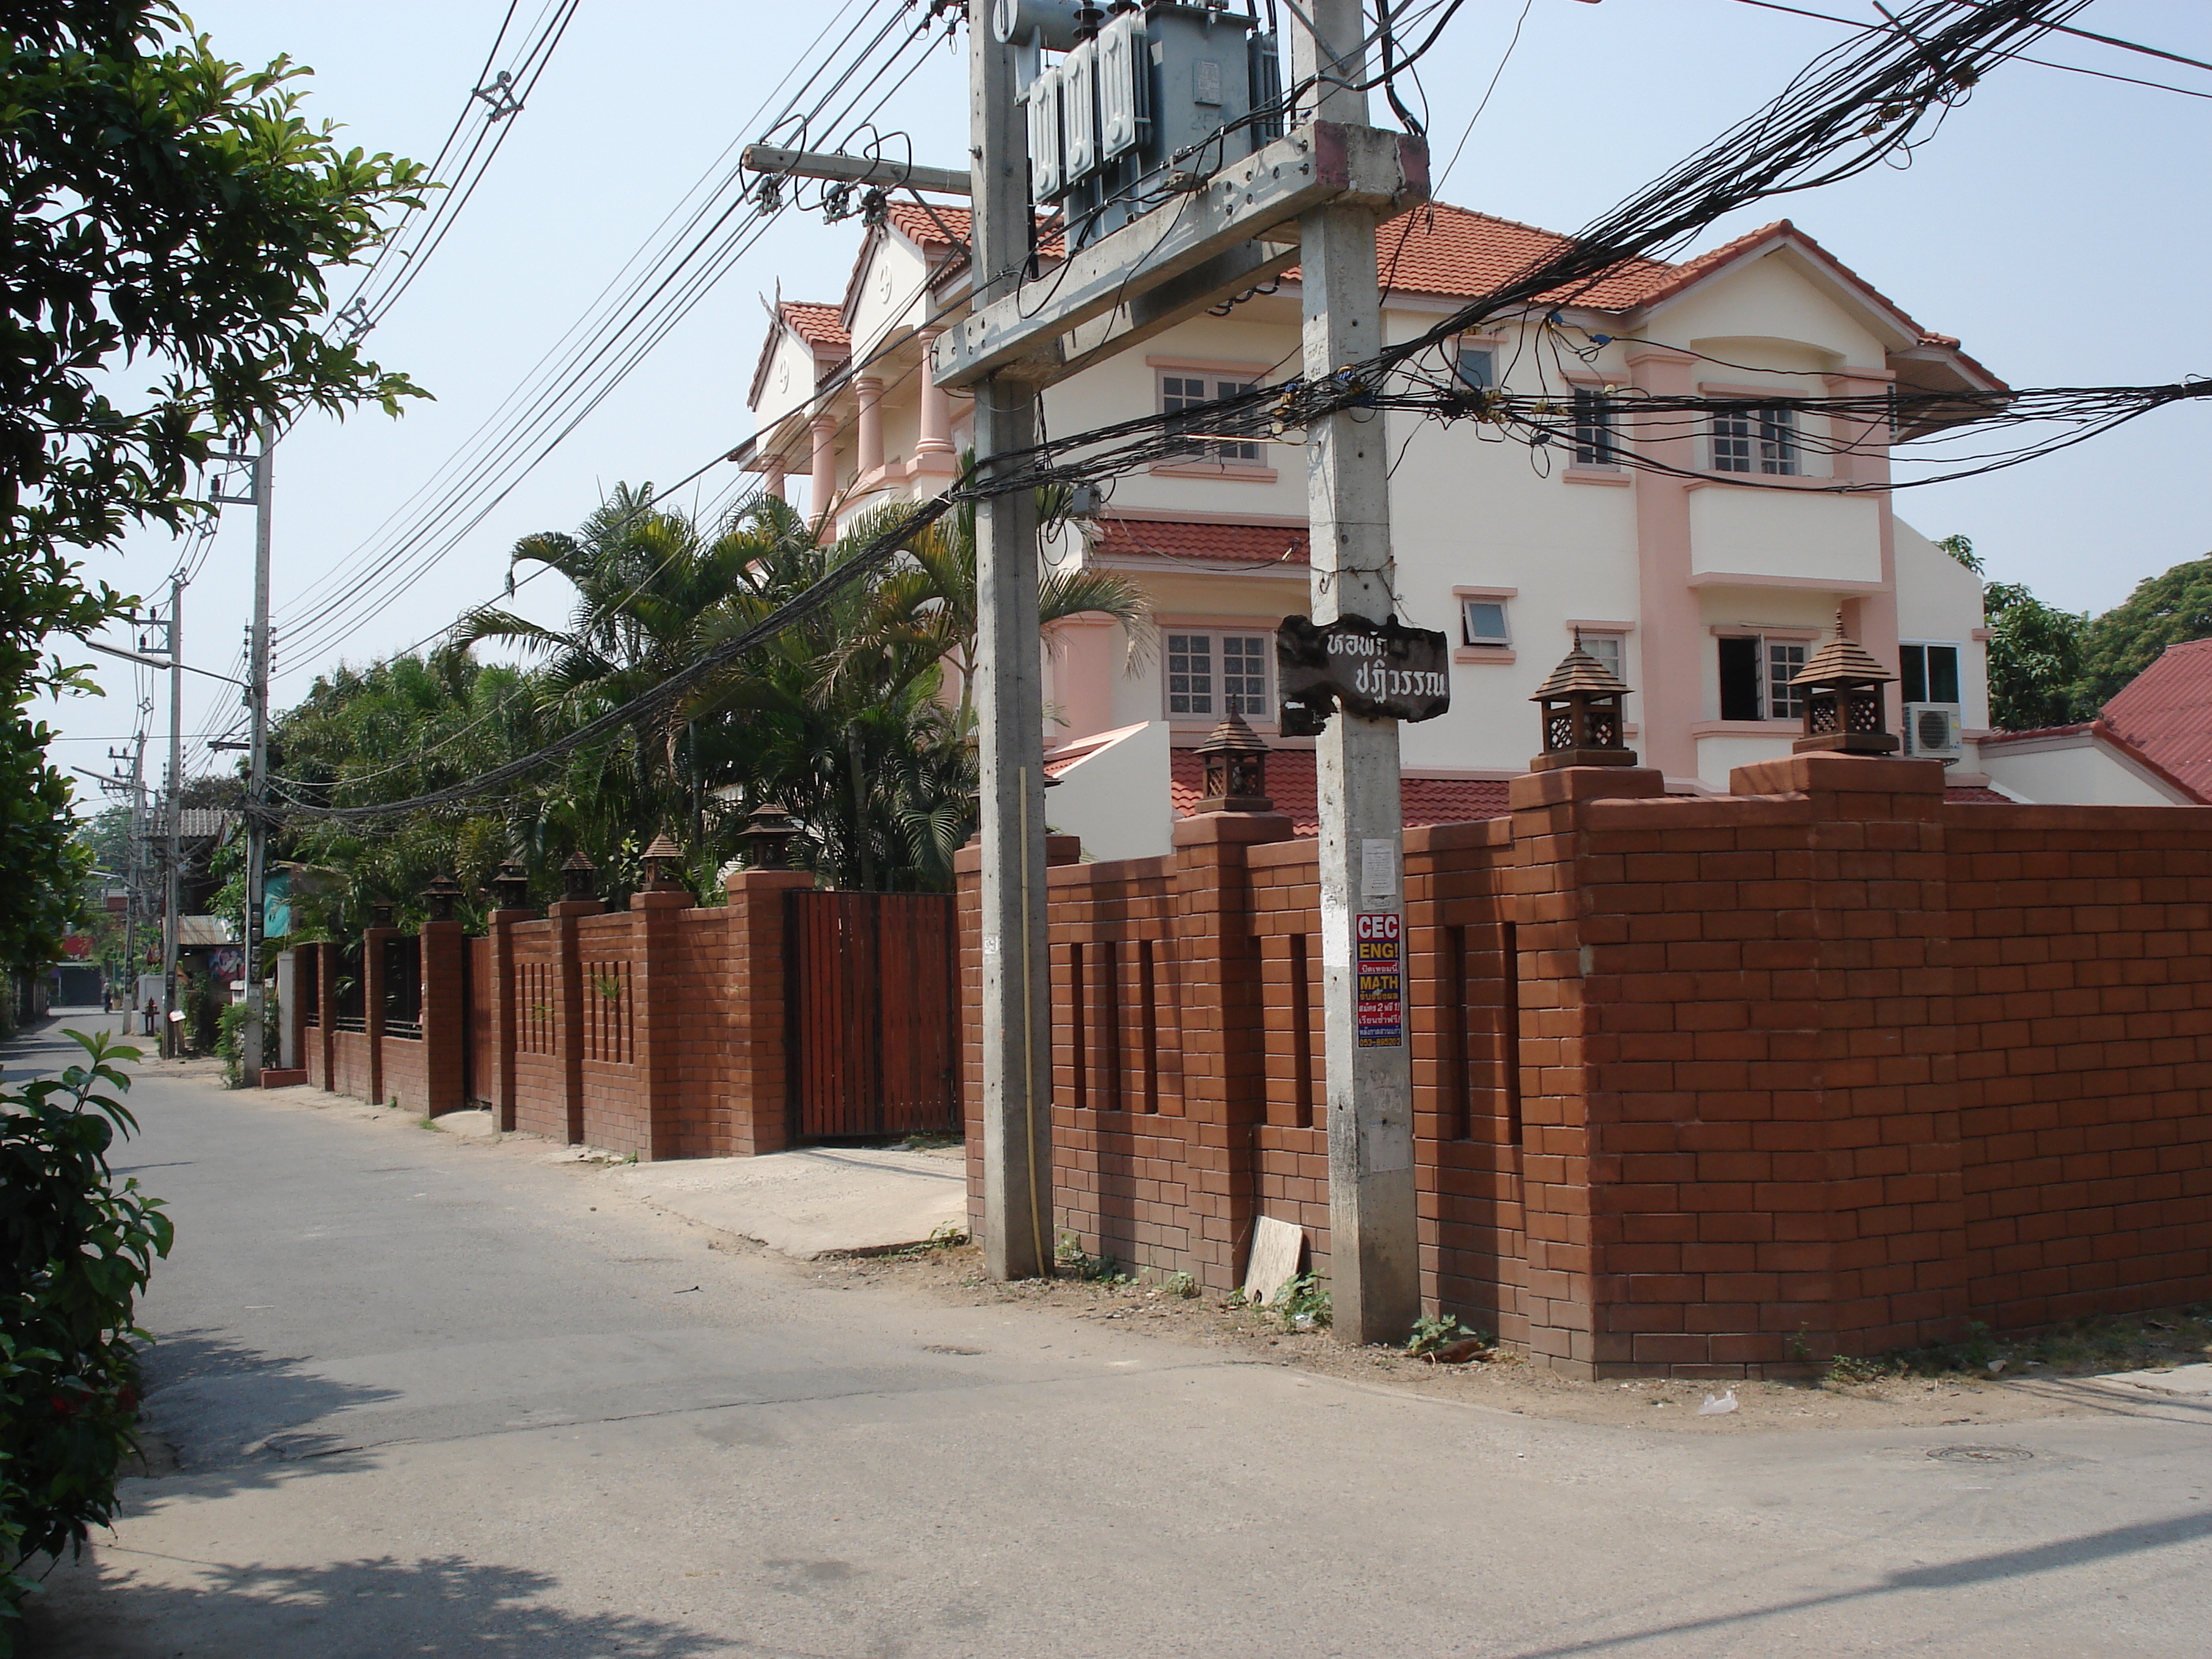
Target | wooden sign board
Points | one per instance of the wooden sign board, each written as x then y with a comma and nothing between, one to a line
1378,671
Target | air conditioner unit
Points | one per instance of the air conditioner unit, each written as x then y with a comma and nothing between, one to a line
1932,730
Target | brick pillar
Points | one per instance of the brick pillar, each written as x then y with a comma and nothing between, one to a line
372,1005
1883,1233
1549,873
1224,1060
759,1041
656,991
326,1010
500,1061
444,946
568,969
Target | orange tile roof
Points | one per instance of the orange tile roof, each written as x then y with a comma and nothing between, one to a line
1456,253
818,326
913,220
1216,544
1291,786
2164,713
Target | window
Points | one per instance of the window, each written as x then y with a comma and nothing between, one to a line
1755,676
1182,392
1477,367
1755,441
1482,622
1611,649
1931,672
1593,428
1213,674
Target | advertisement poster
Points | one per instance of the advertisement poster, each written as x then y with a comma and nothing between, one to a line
1382,1021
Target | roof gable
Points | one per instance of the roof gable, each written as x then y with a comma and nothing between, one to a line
813,326
2165,712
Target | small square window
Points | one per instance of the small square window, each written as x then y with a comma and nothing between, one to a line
1210,675
1593,428
1476,368
1181,392
1931,672
1611,649
1482,622
1755,441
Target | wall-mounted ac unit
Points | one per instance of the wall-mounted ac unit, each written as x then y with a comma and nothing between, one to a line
1932,730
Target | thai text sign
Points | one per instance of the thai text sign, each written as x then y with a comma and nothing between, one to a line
1378,671
1382,999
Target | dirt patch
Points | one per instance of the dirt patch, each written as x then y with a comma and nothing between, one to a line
2039,1377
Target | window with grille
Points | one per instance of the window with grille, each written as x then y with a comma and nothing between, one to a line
1755,676
1755,441
1611,649
1185,391
1593,428
1213,673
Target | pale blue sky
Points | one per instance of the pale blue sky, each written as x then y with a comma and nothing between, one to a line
2057,225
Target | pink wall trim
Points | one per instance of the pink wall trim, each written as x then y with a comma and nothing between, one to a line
1672,640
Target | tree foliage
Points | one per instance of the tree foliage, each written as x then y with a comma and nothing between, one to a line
2035,659
2170,609
78,1251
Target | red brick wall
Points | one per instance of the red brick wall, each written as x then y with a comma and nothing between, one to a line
1700,1085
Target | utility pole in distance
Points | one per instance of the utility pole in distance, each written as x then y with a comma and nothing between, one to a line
172,918
1016,976
257,782
1374,1256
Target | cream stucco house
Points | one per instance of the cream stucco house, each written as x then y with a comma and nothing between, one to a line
1707,594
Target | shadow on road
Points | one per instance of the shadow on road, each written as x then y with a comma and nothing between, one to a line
230,1417
365,1609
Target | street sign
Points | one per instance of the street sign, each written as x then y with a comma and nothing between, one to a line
1377,670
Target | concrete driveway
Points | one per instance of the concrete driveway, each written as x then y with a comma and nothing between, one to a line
434,1397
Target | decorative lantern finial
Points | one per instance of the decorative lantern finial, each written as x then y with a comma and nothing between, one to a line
380,912
1843,700
771,835
1583,726
512,884
660,862
442,894
576,876
1235,758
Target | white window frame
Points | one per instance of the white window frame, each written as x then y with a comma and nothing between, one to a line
1958,650
1756,441
1216,695
1603,456
1613,637
1484,349
1802,642
1213,384
1504,604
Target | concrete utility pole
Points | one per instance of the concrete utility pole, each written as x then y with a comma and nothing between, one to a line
172,918
257,782
1374,1259
133,863
1010,702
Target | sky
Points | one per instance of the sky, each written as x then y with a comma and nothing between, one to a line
2056,224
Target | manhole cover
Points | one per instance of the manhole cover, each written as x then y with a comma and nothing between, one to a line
1980,1454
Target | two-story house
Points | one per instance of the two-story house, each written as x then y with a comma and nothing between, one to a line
1706,586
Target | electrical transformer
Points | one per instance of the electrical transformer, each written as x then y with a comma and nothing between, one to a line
1139,104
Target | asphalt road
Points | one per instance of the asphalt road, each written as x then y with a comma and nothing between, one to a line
425,1398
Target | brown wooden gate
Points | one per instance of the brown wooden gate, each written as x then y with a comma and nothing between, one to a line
874,1010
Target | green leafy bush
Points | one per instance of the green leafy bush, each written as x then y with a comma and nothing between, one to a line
79,1250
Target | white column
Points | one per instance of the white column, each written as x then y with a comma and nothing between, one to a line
823,483
935,437
771,477
869,437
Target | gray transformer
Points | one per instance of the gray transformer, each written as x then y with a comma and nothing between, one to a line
1162,98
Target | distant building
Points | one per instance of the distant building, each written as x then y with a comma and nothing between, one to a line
2151,746
1706,597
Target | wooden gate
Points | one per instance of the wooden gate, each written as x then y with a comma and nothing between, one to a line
874,1010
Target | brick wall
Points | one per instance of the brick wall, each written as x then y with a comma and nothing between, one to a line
1700,1085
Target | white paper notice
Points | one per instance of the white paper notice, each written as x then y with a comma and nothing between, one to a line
1378,869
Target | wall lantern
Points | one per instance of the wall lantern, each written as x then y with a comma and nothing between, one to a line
661,860
512,884
767,840
1843,700
1235,759
1583,716
379,914
442,895
576,876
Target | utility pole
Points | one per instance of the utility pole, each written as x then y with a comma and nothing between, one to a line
132,867
1374,1257
256,781
1017,984
173,917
